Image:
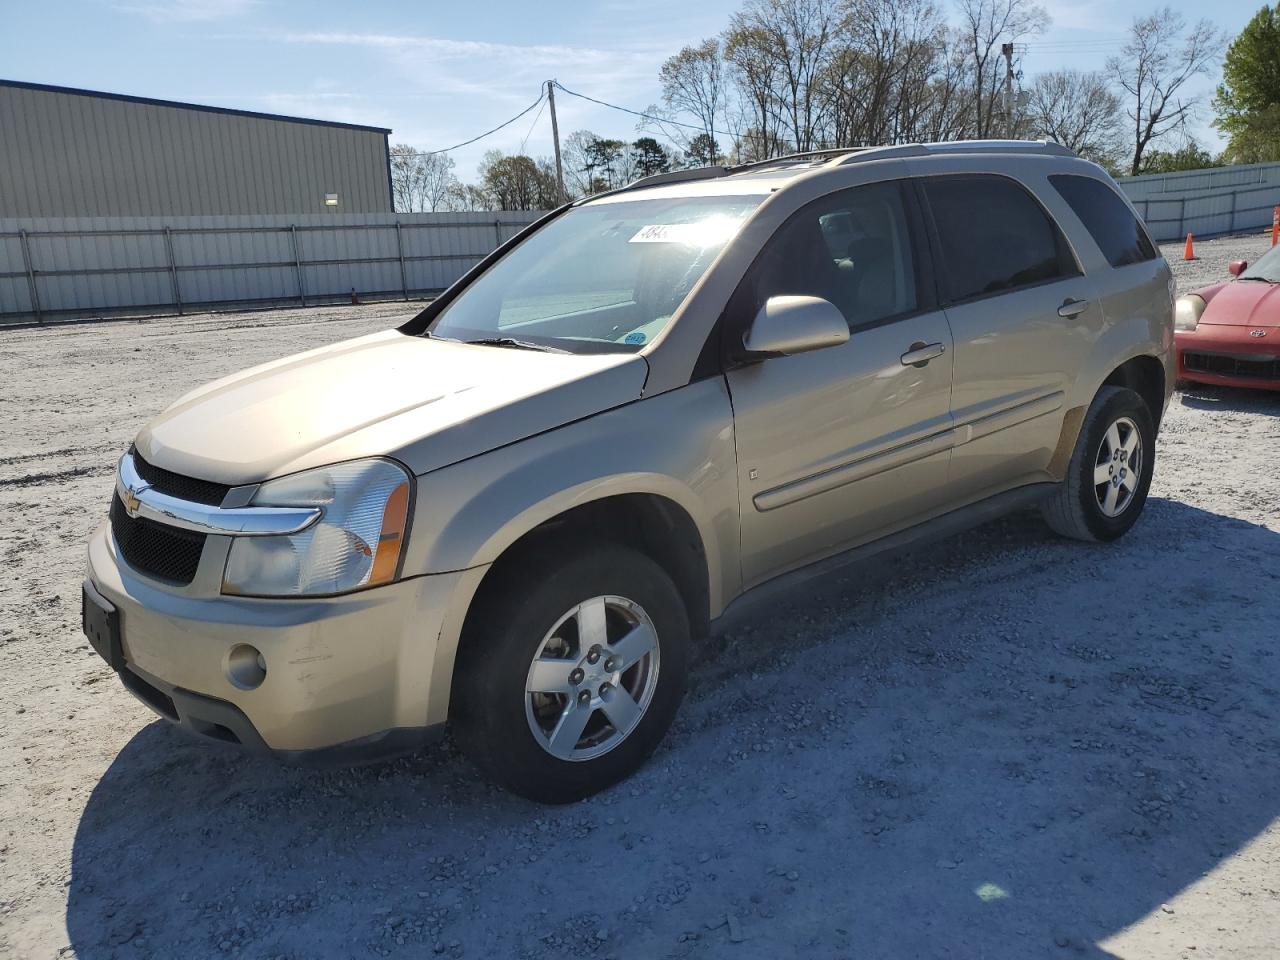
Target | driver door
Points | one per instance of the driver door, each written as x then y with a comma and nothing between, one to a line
843,444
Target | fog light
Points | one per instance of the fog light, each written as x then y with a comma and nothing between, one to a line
246,667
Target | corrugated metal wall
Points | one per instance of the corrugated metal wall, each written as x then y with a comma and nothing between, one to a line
65,268
75,153
1206,203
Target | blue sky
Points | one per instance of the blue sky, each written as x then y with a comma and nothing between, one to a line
438,73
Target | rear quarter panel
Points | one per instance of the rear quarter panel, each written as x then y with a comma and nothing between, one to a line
1137,299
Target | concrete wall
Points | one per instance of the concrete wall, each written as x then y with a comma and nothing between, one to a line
68,153
70,268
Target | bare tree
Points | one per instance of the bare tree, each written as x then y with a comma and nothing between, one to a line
466,197
693,82
783,49
1078,110
420,181
404,177
437,180
1154,67
884,48
985,26
593,163
755,72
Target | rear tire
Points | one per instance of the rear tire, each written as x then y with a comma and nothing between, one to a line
549,700
1110,471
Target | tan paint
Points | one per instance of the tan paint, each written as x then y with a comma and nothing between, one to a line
778,464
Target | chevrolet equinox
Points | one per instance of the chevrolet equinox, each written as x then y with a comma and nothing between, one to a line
518,511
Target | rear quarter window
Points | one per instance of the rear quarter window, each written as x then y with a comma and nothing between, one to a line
1116,231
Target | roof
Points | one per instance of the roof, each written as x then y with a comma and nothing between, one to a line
203,108
765,176
741,185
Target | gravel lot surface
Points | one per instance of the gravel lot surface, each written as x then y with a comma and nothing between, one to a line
1004,746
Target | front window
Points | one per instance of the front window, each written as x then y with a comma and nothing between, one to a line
1267,267
603,277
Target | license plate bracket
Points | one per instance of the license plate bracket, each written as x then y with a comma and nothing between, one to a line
100,621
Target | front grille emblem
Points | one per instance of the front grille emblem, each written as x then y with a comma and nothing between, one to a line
131,501
1257,334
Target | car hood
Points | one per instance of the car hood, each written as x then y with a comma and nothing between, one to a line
1244,303
426,402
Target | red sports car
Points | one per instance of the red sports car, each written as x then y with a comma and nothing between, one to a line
1229,334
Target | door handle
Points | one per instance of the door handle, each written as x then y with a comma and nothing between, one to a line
1072,308
920,353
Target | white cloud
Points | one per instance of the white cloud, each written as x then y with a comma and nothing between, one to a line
190,11
441,48
1086,16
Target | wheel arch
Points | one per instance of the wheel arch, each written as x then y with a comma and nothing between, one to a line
1145,375
1142,373
656,525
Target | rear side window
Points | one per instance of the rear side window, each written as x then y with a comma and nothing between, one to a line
994,236
1113,227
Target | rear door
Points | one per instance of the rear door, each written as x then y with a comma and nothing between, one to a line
1024,317
842,444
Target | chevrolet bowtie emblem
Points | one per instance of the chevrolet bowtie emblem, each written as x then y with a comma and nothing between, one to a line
132,503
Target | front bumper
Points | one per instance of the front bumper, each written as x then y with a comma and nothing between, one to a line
1230,356
356,676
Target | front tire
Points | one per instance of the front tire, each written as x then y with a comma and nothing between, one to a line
572,671
1110,471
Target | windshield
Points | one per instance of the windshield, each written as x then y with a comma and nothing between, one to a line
603,277
1267,268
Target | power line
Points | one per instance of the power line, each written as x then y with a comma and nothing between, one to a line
536,117
634,113
465,143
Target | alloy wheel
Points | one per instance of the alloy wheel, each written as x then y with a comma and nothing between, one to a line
592,678
1117,468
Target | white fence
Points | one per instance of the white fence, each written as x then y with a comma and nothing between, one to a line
1206,203
65,268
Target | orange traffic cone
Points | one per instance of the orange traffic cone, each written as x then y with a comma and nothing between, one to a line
1189,251
1275,226
355,299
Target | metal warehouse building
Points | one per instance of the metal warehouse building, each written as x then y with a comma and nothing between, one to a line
78,153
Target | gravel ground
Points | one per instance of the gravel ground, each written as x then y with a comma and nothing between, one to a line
1212,257
1004,746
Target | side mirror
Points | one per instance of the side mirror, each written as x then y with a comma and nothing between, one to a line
787,325
1237,267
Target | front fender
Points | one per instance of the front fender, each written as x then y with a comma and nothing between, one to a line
678,445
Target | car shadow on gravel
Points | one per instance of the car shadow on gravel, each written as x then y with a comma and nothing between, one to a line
1207,397
996,746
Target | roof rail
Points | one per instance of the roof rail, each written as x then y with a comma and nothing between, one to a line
962,147
843,155
825,152
675,176
723,170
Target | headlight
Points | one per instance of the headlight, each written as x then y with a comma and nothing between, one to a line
1187,311
356,542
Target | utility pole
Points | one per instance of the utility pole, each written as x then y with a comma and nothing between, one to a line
555,136
1007,50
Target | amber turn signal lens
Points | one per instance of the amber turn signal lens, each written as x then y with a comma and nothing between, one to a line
394,516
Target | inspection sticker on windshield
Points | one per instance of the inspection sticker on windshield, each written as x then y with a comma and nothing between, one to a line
704,233
666,233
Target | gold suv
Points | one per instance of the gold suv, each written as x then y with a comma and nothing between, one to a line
520,510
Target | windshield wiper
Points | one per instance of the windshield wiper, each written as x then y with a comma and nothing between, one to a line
1255,277
516,344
